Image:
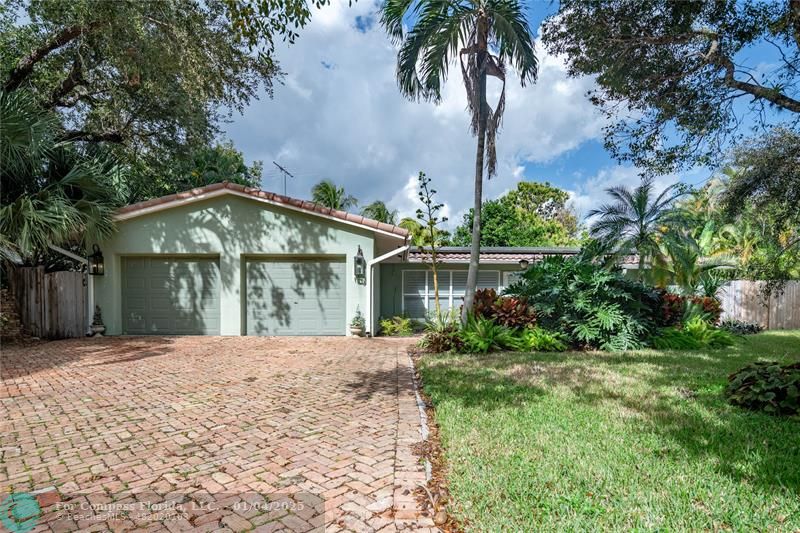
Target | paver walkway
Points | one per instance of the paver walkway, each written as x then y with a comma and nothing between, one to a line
213,433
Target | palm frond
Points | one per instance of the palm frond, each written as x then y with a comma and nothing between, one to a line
514,37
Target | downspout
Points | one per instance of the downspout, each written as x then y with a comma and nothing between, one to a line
89,282
371,285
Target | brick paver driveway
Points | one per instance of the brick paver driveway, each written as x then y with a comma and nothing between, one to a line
223,433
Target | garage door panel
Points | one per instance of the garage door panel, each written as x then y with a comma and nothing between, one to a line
177,296
295,297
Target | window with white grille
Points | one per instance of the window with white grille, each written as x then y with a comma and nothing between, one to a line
418,293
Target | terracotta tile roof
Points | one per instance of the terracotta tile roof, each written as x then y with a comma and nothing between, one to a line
458,254
303,205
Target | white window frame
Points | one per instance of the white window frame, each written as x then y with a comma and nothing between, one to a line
429,292
507,277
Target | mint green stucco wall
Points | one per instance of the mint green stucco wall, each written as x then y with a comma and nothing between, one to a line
233,229
391,287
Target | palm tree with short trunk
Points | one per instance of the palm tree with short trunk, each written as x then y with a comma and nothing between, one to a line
634,221
485,36
52,194
330,195
378,210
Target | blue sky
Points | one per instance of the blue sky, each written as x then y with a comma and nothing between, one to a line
338,115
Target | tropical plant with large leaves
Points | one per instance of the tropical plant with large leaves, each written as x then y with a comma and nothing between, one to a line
378,210
691,267
633,221
52,194
330,195
486,36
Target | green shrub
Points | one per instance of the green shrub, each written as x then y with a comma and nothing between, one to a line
707,334
537,340
507,311
673,308
442,334
592,305
397,326
739,327
766,386
675,339
482,335
696,334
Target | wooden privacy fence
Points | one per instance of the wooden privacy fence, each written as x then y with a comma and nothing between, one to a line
51,305
743,300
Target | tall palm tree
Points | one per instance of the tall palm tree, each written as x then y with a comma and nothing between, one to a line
633,222
377,210
51,193
485,35
328,194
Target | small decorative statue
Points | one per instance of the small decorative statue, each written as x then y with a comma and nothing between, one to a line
98,328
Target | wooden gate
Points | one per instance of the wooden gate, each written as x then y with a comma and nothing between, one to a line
51,305
743,300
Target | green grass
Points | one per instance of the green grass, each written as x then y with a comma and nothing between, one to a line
637,440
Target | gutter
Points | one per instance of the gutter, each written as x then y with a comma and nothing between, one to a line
371,286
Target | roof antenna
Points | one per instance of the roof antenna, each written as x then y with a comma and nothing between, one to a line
285,173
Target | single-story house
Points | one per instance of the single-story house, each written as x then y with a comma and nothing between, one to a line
231,260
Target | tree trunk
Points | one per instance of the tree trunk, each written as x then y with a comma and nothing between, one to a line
475,250
435,270
640,271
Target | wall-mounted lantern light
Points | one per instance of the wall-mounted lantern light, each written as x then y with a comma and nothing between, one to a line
360,265
523,264
97,266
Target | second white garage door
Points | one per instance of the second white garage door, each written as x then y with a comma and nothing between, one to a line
295,297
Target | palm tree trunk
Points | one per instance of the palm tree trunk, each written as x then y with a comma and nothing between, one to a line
475,250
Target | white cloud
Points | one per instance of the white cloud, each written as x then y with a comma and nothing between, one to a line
350,124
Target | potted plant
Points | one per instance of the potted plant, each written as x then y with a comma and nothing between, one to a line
357,325
98,328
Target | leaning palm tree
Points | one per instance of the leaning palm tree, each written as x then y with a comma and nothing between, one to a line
633,222
377,210
328,194
51,193
485,35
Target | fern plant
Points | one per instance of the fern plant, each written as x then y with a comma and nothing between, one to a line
482,335
696,334
537,339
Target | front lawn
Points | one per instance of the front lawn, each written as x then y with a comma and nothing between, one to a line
590,441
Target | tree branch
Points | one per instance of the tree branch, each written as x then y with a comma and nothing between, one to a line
92,137
716,57
25,65
73,79
794,19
